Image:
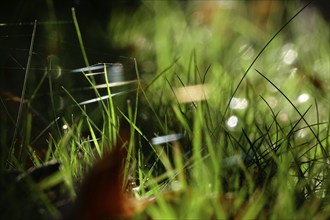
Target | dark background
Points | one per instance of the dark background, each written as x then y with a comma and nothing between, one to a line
56,44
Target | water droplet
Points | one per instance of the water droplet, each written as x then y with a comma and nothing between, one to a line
289,55
238,103
303,98
302,133
232,121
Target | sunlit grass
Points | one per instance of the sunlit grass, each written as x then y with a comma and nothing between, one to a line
255,144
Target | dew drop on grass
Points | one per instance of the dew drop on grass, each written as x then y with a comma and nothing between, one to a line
289,55
136,189
302,133
303,98
238,103
232,121
64,127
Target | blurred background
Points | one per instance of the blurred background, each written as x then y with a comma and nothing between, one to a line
220,38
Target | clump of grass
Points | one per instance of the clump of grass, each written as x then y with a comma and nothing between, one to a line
257,147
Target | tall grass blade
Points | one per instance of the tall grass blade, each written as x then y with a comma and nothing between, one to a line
257,57
81,43
297,110
27,69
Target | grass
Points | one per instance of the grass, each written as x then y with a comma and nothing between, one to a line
256,147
